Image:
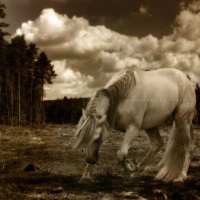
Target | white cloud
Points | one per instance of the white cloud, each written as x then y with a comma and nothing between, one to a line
87,56
188,25
68,82
183,45
195,6
62,37
51,28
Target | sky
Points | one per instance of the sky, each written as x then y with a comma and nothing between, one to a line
90,40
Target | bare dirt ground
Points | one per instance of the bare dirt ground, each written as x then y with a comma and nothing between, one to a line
39,163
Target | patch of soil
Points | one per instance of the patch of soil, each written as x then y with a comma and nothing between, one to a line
40,164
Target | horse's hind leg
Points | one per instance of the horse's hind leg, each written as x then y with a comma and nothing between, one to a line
187,142
156,143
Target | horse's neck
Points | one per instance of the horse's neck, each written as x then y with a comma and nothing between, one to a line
102,105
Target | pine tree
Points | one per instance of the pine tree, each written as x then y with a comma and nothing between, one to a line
18,49
23,73
44,73
3,54
31,55
2,24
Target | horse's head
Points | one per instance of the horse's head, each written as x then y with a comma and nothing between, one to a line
91,132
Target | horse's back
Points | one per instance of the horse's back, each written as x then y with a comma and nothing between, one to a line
168,79
185,88
170,74
155,96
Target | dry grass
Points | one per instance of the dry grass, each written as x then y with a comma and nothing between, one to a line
40,164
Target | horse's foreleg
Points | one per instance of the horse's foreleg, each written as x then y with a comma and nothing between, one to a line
87,173
156,143
123,151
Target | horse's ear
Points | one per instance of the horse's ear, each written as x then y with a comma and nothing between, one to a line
103,119
84,114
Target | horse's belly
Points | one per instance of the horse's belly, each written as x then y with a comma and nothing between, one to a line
159,110
153,116
151,121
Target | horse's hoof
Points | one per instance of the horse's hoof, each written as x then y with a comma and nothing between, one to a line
85,180
129,166
134,175
180,179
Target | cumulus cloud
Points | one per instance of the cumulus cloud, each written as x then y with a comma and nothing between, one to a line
51,28
188,25
87,56
68,83
195,6
62,37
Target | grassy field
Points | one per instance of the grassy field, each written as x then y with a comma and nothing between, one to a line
40,164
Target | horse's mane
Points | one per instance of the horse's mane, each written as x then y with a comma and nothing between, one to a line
85,131
116,92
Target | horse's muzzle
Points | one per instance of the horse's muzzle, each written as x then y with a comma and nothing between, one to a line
91,161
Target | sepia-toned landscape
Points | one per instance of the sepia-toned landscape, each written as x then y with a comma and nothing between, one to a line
54,57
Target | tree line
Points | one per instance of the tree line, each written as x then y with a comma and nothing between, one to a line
24,70
66,110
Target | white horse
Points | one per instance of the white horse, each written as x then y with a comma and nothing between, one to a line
142,100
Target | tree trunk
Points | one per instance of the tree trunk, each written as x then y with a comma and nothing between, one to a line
19,96
12,104
7,95
31,109
42,105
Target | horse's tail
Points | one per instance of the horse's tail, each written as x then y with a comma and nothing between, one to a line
175,162
193,80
